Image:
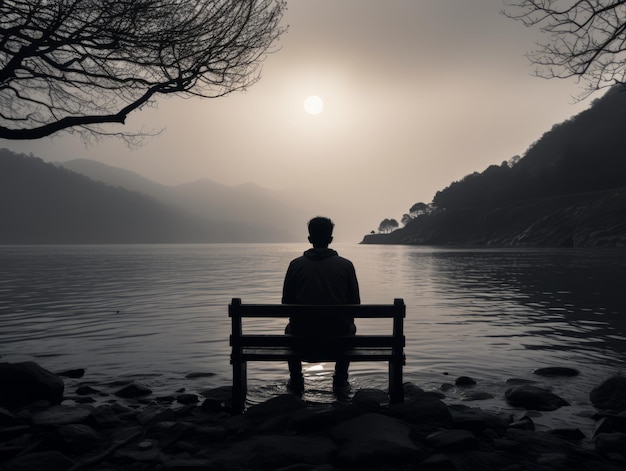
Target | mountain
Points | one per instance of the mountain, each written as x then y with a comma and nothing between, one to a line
569,189
42,203
262,212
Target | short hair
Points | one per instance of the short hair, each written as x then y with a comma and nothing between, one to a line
321,230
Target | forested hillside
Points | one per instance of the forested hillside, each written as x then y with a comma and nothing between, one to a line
569,189
41,203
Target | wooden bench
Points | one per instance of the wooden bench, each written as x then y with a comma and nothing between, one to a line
281,347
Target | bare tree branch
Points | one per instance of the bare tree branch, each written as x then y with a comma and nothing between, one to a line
585,39
71,64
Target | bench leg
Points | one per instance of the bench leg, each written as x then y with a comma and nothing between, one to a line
240,385
396,391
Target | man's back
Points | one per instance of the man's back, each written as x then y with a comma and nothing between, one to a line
321,276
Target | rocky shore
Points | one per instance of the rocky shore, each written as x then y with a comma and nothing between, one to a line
45,427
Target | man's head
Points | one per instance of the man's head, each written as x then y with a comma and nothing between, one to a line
320,231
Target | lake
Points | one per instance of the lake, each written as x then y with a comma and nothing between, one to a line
157,312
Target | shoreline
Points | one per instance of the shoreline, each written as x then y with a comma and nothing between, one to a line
91,429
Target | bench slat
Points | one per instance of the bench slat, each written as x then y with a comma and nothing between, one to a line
260,340
289,310
283,354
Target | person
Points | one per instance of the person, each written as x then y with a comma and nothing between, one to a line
320,276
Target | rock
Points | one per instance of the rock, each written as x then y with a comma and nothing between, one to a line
222,394
62,415
187,399
611,442
524,423
103,417
555,460
477,420
464,381
151,415
572,434
411,391
519,381
22,383
611,394
40,461
199,374
437,462
374,438
8,433
133,390
538,442
86,390
611,423
533,398
74,439
371,395
75,373
556,371
138,454
211,405
84,400
6,417
426,409
452,440
476,396
187,465
274,407
273,452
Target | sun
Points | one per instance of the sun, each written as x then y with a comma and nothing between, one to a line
313,105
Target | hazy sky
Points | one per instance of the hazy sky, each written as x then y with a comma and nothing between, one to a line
417,94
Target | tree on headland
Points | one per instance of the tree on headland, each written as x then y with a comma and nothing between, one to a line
76,64
387,225
585,39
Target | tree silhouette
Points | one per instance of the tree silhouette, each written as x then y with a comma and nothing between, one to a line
387,225
76,64
585,39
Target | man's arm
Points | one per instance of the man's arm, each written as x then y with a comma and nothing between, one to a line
354,296
289,287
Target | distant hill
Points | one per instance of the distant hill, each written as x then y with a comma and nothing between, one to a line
41,203
266,217
569,189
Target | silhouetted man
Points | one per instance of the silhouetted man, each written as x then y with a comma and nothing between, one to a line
320,276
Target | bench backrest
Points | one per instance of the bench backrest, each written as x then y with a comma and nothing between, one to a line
396,311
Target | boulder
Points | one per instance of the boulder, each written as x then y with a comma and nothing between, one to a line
22,383
74,439
62,415
611,442
556,371
611,394
199,374
453,439
40,461
75,373
272,452
187,398
133,390
377,396
425,409
533,398
373,439
274,408
464,381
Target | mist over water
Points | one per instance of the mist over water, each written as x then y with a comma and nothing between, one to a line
158,312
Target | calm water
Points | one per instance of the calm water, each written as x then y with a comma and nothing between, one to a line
158,312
